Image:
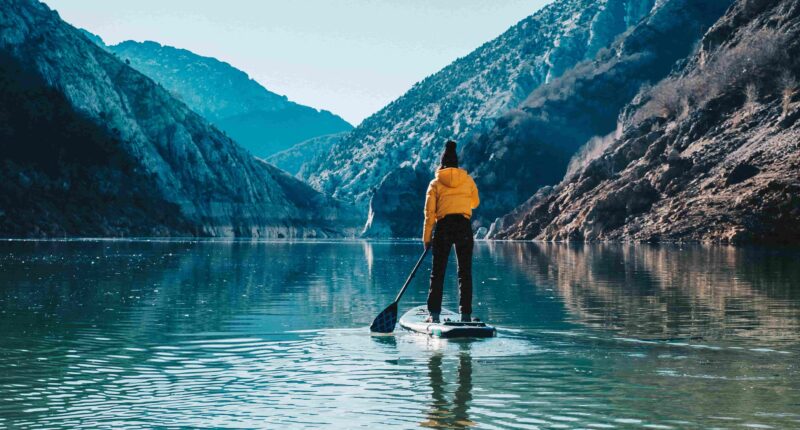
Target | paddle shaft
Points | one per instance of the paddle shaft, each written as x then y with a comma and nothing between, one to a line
413,272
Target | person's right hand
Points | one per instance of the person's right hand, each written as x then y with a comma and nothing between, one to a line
426,244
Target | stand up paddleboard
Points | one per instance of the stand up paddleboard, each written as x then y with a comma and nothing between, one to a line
449,324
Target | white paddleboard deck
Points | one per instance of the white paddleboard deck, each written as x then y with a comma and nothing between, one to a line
449,324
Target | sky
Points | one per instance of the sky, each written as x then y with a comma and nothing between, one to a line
351,57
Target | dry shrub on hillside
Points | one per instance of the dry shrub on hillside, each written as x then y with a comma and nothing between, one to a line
754,59
751,98
593,149
789,86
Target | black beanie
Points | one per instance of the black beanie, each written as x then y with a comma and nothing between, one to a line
449,157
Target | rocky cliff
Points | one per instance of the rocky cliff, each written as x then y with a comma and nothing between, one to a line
469,94
530,146
256,118
709,154
90,146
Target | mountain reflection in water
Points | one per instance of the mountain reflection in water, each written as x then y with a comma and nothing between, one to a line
668,292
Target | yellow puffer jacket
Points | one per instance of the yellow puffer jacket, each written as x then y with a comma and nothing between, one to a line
452,192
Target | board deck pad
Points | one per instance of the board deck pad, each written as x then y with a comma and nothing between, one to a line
449,324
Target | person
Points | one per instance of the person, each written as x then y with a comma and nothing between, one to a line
449,202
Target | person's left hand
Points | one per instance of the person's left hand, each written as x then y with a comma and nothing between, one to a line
426,244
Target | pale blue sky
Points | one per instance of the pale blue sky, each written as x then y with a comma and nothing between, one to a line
351,57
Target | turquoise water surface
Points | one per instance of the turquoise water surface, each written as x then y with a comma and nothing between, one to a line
226,334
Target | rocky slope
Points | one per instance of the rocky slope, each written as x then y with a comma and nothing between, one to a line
293,159
469,94
529,147
90,146
256,118
709,154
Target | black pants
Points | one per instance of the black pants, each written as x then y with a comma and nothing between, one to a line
452,230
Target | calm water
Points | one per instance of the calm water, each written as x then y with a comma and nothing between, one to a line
252,335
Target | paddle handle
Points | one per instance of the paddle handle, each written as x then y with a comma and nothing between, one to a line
413,272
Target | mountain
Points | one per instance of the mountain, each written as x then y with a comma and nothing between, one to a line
571,48
708,154
530,146
470,93
256,118
293,159
91,147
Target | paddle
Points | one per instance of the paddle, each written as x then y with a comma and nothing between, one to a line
385,321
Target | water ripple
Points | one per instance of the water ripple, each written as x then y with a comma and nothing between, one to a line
206,334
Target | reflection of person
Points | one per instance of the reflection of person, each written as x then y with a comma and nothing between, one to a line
449,202
463,393
441,415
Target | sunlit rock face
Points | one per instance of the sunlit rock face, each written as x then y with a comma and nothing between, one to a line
710,154
90,146
396,207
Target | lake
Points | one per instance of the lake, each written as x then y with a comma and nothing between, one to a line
231,334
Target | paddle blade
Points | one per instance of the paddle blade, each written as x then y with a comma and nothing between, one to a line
386,320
